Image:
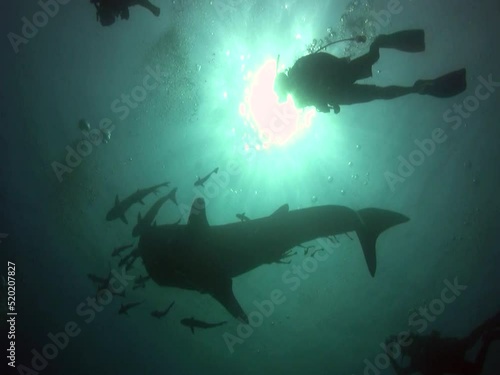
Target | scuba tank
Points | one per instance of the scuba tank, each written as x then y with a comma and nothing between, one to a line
357,39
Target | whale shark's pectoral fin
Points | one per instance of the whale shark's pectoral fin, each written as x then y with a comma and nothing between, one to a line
282,210
223,292
123,218
375,221
192,329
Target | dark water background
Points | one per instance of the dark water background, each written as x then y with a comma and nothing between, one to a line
73,68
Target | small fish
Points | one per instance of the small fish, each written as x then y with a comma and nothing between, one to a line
315,251
102,283
201,181
306,248
100,294
130,264
116,252
105,285
125,307
242,217
132,255
195,323
120,207
160,314
146,222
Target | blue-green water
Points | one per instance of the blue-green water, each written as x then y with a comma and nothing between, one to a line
169,89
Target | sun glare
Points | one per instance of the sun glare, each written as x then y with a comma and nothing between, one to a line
275,124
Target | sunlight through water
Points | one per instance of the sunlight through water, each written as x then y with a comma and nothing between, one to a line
273,123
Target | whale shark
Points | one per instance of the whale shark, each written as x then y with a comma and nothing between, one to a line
205,258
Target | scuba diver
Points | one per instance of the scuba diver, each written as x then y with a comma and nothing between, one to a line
436,355
108,10
326,82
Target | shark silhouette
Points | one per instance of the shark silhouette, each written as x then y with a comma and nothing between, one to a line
120,207
147,220
205,258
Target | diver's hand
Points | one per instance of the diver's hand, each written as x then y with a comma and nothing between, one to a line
335,107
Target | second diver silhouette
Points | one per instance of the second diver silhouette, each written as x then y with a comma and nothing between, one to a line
108,10
435,355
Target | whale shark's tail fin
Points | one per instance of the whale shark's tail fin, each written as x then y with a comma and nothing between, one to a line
375,222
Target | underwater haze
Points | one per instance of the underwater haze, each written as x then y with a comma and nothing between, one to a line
90,113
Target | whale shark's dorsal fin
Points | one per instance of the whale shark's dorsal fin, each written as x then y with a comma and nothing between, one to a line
117,201
282,210
198,216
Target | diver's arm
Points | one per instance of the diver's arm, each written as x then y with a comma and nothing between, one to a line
324,108
335,107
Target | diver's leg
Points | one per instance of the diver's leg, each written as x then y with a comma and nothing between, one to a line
446,86
357,93
475,335
147,4
361,67
477,366
407,40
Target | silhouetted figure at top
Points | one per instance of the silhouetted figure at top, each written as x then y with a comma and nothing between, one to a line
327,82
436,355
108,10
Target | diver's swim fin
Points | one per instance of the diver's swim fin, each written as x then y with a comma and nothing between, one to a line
407,41
446,86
